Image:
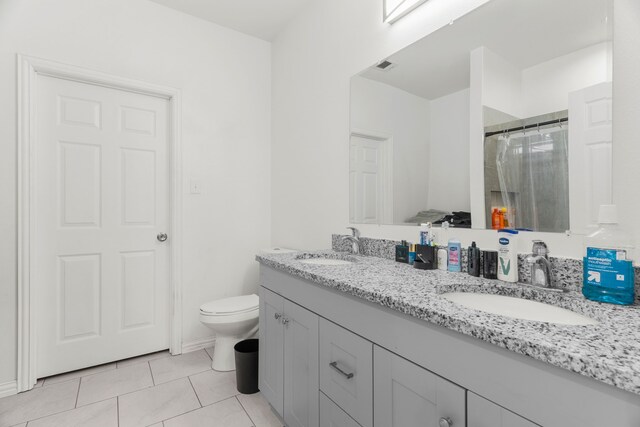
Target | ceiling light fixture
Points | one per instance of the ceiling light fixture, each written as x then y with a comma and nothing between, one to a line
392,10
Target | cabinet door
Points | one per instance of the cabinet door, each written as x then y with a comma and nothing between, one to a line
332,416
406,395
300,367
271,360
483,413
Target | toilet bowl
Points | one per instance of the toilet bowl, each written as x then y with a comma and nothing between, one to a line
232,319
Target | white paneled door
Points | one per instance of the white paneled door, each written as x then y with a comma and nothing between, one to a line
369,180
590,145
101,199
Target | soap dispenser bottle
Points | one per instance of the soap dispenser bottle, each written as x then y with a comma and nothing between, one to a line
473,260
443,253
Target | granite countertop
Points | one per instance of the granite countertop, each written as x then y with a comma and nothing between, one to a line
608,352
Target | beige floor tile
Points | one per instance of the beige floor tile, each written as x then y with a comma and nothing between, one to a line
259,410
101,414
174,367
158,403
38,403
114,383
77,374
228,413
212,386
143,358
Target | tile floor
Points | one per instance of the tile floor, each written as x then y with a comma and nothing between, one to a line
157,390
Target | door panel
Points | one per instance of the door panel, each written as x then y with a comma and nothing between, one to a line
271,355
367,178
590,145
101,197
301,367
407,395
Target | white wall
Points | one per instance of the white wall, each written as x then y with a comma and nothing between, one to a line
311,108
225,81
501,84
449,153
383,109
546,86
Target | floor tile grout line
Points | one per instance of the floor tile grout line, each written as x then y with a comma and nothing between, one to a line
245,410
194,391
81,376
78,393
66,410
153,380
196,409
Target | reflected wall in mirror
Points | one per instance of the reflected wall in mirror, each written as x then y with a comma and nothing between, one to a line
508,110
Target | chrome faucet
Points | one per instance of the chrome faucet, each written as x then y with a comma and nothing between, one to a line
354,239
540,265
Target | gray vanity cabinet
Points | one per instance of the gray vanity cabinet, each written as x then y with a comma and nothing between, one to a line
484,413
407,395
271,355
331,415
289,359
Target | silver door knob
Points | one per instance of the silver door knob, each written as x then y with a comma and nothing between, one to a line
446,422
277,316
161,237
285,321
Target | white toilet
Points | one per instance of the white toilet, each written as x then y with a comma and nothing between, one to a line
233,319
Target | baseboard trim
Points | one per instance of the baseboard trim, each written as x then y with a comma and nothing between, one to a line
198,344
9,388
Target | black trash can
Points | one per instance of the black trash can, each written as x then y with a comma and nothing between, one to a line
247,366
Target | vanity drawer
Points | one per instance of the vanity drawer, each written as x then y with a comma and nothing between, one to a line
346,371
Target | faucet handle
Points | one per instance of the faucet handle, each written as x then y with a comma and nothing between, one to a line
539,248
354,232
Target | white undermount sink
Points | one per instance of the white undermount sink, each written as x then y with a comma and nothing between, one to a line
325,261
518,308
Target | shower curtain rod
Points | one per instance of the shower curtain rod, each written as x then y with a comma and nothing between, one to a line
533,125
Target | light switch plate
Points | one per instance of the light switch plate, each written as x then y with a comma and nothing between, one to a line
194,186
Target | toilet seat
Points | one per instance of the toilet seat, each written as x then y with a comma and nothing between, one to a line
234,306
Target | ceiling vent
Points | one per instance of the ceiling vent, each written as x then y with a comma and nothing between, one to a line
385,65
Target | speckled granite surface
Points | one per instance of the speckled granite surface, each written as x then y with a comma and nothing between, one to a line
567,272
608,352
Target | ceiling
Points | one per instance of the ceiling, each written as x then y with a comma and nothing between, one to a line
259,18
526,32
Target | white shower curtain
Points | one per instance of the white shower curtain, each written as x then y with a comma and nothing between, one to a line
534,182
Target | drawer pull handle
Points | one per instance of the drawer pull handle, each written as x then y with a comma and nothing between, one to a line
334,365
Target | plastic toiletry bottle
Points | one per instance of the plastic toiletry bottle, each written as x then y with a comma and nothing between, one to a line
608,274
473,260
508,255
443,253
455,255
505,218
424,233
412,253
495,219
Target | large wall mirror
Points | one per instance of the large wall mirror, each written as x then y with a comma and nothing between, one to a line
502,118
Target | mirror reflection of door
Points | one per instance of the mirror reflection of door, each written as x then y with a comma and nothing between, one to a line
369,177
